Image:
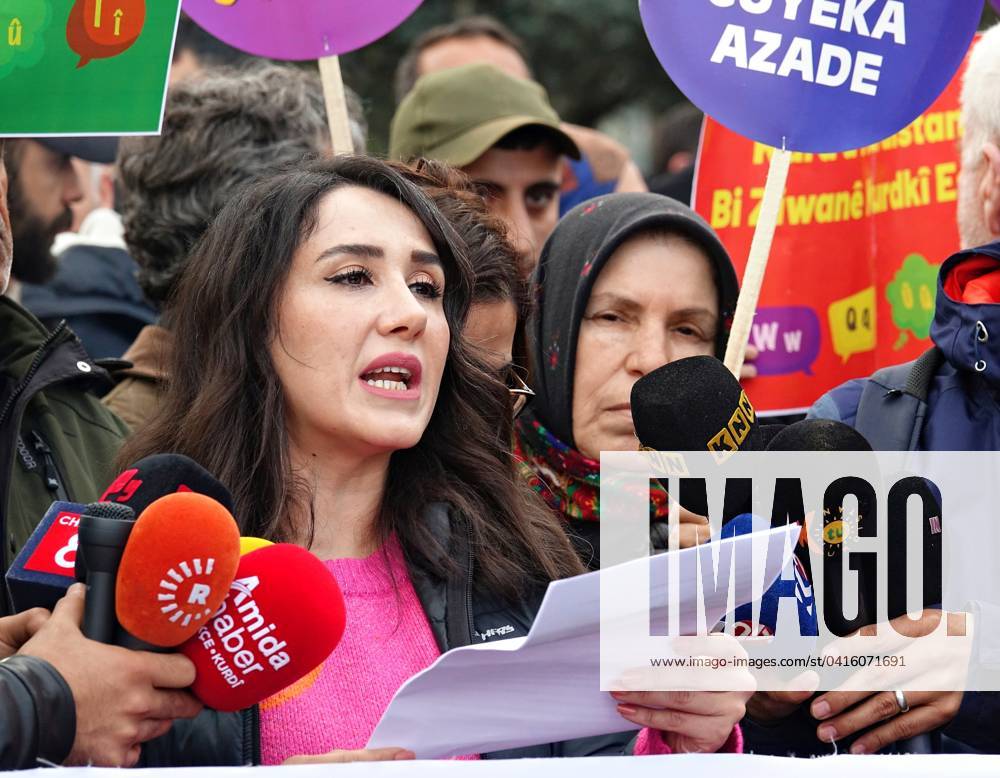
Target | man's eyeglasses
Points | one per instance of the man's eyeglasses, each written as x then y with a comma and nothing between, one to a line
519,390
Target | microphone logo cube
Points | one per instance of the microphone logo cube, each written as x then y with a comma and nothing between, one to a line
56,552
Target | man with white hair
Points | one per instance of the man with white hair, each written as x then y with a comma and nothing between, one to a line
946,400
979,181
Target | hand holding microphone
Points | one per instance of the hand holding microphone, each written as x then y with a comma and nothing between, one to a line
40,574
174,582
170,571
123,698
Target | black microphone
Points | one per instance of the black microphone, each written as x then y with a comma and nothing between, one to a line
829,435
158,475
695,404
104,530
143,483
818,435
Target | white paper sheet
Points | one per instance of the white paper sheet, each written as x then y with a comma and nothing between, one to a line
542,688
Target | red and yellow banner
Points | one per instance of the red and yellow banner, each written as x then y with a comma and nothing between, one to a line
852,277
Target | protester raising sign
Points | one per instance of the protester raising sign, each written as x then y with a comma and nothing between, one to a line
84,68
853,269
816,76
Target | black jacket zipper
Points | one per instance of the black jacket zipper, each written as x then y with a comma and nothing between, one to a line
468,587
53,482
251,737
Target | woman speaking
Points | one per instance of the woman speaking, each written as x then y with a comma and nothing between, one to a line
327,384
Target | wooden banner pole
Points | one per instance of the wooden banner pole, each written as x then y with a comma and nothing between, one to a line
760,250
336,105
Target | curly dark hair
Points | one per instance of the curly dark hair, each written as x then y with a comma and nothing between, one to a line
220,131
224,404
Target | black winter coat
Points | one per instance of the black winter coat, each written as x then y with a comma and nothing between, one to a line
37,714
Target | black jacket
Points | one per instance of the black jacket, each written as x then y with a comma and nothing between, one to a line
37,714
458,614
96,292
57,442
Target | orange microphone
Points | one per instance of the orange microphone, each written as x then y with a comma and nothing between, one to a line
176,570
282,618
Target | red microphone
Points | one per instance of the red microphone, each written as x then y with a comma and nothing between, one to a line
176,569
283,617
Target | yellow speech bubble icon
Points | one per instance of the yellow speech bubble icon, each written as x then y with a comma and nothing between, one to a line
852,324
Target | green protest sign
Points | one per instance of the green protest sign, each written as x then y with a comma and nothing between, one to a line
84,67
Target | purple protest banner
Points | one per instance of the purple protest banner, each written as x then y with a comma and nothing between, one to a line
806,75
996,5
811,75
305,29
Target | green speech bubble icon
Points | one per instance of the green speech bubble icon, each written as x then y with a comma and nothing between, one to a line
22,23
911,293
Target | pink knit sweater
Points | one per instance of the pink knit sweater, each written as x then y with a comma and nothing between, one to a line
387,640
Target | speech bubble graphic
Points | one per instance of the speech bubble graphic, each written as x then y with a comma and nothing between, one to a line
852,324
912,293
788,339
22,23
99,29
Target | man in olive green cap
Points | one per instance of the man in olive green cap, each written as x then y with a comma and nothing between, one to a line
503,133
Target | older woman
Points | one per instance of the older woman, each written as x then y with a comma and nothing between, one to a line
626,284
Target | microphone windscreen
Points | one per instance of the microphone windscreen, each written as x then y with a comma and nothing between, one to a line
177,567
819,435
248,544
694,404
282,618
157,475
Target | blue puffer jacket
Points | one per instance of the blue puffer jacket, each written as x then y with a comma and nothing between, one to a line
962,413
963,404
